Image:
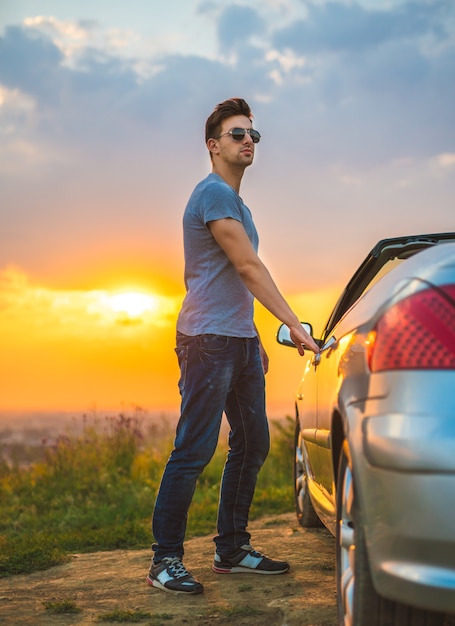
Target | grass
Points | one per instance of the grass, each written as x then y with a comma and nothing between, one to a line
124,616
94,490
58,607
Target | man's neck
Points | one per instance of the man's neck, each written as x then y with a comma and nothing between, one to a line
232,176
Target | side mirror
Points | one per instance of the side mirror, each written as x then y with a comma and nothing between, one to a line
283,335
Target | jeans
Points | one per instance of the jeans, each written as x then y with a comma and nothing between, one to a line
217,374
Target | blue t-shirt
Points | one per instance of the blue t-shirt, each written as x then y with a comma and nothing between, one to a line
217,301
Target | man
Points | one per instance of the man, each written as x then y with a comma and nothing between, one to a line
222,362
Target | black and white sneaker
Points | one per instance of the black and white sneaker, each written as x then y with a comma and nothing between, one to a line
171,575
246,559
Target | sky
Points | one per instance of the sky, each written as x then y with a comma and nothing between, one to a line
102,112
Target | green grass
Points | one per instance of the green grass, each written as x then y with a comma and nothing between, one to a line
95,491
58,607
124,616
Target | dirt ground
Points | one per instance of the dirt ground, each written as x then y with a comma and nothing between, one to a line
103,582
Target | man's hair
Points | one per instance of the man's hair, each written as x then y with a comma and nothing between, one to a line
228,108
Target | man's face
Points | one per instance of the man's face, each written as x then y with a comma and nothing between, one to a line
232,151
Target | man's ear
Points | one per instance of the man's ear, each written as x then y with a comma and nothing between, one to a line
212,145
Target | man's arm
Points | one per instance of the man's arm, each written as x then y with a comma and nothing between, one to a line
232,238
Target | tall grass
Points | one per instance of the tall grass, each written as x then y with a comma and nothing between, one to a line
95,491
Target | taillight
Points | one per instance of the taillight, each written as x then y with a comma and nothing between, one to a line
416,333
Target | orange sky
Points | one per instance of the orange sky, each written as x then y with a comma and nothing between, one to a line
79,350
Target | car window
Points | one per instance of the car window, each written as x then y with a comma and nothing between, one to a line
385,256
350,296
385,269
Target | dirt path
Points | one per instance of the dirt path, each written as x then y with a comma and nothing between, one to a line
103,582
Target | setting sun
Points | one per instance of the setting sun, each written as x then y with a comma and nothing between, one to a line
72,349
132,303
130,307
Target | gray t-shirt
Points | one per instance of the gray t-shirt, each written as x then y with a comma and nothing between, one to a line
217,301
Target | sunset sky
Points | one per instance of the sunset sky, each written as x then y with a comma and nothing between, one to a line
102,112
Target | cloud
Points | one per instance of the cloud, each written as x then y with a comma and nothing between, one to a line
442,165
76,312
446,160
339,27
63,34
351,51
100,153
237,25
14,103
74,38
372,84
388,91
29,63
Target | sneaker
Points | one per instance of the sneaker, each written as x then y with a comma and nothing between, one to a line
246,559
171,575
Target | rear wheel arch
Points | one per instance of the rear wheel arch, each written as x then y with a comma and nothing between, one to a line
358,601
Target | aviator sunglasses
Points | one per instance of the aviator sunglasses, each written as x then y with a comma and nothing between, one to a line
238,134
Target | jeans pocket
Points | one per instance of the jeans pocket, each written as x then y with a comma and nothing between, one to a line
213,343
182,356
217,357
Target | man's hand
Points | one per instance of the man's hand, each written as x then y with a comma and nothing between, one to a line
303,340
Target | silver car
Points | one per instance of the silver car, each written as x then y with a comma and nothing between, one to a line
375,435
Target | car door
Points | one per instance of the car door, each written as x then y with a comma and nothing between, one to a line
315,396
306,403
329,379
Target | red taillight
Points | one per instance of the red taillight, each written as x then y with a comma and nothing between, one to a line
416,333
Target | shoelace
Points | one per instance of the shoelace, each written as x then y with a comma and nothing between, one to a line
176,567
252,551
256,554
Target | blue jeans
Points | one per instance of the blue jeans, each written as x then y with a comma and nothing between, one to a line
217,374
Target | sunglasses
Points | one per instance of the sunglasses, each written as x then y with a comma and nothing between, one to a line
238,134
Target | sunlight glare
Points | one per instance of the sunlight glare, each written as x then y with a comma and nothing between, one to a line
132,303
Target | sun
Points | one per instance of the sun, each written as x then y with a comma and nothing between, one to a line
130,308
132,303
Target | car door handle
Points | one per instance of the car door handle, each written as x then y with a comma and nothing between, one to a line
328,346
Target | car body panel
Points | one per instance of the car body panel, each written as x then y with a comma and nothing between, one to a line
408,496
399,425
